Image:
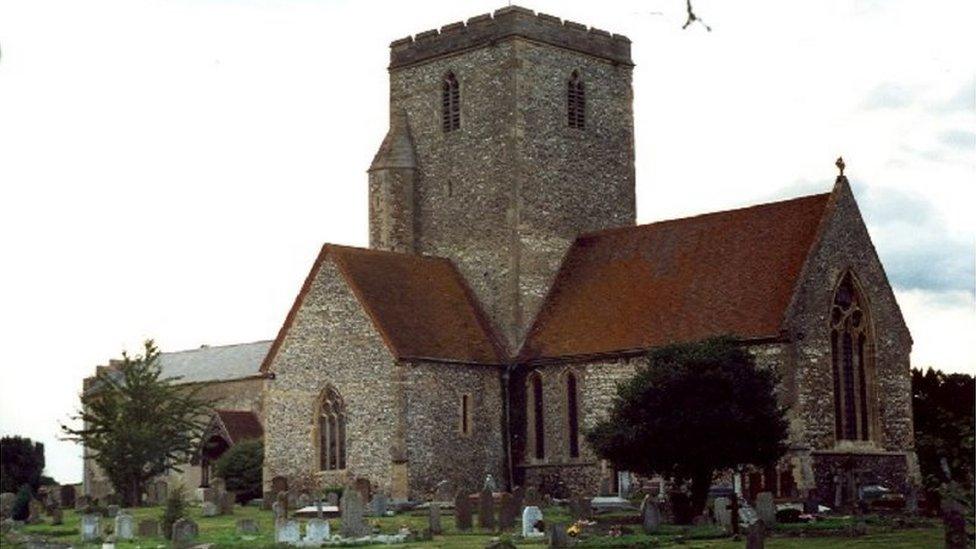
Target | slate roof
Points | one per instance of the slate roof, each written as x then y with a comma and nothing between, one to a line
240,425
636,288
420,305
219,363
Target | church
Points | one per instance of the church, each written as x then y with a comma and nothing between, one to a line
507,289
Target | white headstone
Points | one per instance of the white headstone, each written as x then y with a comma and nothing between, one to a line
723,516
316,531
650,515
124,526
287,531
91,528
209,509
530,516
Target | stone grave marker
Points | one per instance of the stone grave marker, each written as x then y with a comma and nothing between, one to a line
247,526
765,507
226,503
316,531
486,510
91,528
434,518
124,526
378,506
148,528
532,524
209,509
462,512
66,496
333,499
282,503
558,536
303,500
112,510
287,531
185,531
351,509
162,492
756,535
723,517
507,512
35,512
650,515
57,516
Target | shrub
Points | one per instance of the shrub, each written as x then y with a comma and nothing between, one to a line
175,509
21,507
240,467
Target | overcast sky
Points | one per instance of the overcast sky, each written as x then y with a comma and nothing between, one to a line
169,169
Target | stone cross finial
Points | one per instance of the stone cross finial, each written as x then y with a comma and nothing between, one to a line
840,165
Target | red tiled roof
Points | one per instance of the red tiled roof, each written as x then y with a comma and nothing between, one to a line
420,305
636,288
240,425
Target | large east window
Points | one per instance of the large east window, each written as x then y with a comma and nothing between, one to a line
852,360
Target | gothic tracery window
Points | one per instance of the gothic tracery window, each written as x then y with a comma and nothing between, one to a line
576,102
852,352
572,414
332,431
536,416
450,103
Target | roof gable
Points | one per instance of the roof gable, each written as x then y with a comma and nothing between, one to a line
239,425
635,288
420,305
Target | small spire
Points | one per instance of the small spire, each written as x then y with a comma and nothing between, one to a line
840,165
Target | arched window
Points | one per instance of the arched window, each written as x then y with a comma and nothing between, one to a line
536,416
852,353
332,431
576,102
572,415
450,103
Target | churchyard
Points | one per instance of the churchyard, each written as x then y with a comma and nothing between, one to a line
252,526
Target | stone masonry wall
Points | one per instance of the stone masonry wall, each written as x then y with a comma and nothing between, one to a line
436,448
504,195
331,341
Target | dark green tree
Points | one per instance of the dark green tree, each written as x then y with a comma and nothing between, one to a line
21,462
137,425
694,410
240,467
943,407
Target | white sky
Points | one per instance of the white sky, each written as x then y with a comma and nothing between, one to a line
169,169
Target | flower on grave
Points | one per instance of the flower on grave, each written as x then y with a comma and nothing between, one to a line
615,531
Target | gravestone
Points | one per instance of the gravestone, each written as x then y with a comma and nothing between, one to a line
558,536
124,526
351,509
7,500
226,504
162,492
332,498
723,517
112,510
91,528
287,531
756,535
434,519
650,515
66,496
462,512
303,500
57,516
378,506
148,528
532,524
580,508
486,510
35,510
185,531
282,506
507,512
209,509
766,508
532,497
444,491
316,531
247,526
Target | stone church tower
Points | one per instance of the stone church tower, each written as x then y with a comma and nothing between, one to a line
509,136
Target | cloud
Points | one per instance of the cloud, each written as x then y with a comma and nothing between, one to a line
888,96
918,250
958,139
964,100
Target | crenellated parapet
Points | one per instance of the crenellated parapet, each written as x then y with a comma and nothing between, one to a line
505,23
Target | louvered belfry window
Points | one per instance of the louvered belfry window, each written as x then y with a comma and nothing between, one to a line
576,102
450,103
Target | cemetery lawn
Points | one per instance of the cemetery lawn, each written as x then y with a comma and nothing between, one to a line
221,531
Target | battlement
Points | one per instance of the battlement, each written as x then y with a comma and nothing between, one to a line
486,29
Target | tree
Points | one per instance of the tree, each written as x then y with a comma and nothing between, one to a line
21,462
138,425
240,467
944,424
693,410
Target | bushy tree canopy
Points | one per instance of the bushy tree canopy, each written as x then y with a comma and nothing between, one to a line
240,467
695,409
138,425
944,424
21,462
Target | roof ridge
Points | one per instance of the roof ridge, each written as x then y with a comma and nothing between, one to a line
611,230
205,347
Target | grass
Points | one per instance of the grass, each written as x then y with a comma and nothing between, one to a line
835,532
